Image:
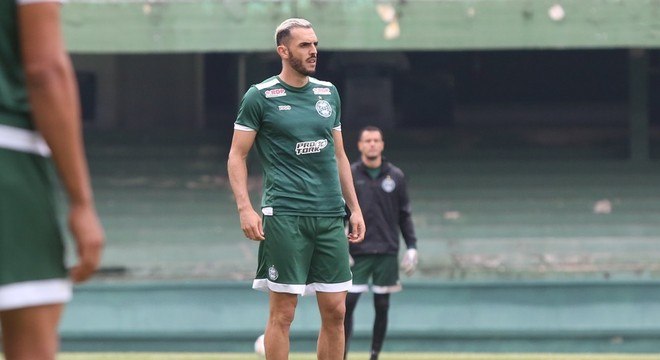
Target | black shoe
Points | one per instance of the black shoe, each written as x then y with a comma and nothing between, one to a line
374,356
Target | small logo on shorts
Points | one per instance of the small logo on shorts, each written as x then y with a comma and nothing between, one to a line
272,273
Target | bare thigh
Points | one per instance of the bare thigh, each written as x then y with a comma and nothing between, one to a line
332,306
31,333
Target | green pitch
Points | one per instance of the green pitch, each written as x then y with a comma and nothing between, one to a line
357,356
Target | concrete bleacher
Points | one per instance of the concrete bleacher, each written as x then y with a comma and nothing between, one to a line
169,211
526,219
537,248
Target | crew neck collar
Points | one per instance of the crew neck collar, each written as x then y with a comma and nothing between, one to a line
291,87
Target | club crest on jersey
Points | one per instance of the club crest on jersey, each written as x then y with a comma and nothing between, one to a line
272,273
275,93
388,185
323,108
321,91
311,147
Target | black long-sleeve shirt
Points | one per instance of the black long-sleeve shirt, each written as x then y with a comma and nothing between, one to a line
386,210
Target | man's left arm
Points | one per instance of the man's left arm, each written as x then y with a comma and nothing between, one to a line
410,258
356,221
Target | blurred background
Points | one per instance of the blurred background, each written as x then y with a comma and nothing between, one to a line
529,131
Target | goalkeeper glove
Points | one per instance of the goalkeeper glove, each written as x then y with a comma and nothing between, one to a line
409,262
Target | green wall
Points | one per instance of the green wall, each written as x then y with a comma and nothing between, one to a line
522,316
239,26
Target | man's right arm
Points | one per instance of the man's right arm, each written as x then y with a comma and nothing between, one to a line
238,177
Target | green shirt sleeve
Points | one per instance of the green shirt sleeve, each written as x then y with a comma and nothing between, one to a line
338,117
250,111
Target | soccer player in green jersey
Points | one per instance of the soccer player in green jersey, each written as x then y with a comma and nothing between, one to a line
39,116
293,120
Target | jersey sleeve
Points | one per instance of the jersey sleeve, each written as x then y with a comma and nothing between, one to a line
250,111
337,124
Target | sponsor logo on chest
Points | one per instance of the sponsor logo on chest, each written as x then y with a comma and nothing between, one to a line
321,91
275,93
311,147
284,107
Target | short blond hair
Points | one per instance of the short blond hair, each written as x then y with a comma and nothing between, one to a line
283,31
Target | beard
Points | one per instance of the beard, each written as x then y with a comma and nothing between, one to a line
372,157
297,65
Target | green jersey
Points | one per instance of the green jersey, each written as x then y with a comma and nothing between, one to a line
295,143
14,108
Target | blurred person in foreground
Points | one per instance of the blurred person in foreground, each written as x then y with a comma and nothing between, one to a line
39,118
381,190
293,120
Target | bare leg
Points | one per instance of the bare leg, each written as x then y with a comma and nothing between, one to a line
31,333
351,303
331,337
282,310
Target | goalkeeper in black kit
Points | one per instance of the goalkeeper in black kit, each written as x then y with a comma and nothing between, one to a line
383,197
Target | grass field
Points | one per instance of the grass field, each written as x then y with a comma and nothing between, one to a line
357,356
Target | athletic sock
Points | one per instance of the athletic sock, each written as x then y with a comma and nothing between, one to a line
382,305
